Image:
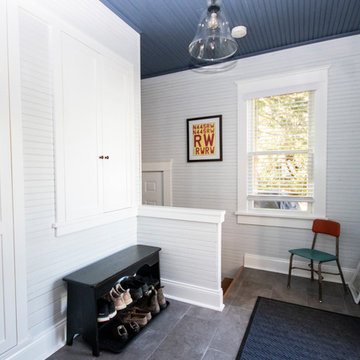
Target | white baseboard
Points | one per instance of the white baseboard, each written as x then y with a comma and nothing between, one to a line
192,294
42,347
282,266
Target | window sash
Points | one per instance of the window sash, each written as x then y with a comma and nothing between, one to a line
286,170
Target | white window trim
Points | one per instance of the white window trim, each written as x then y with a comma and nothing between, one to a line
307,79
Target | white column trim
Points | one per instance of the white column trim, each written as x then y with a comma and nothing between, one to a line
192,294
166,168
17,170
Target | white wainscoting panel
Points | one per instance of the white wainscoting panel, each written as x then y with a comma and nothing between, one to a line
167,101
190,259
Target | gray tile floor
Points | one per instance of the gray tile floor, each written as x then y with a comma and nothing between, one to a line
193,333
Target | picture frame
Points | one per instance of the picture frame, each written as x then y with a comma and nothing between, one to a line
354,285
204,138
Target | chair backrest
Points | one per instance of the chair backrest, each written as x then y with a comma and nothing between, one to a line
326,227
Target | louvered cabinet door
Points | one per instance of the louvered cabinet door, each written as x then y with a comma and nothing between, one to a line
7,271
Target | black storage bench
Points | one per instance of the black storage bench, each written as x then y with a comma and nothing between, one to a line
87,285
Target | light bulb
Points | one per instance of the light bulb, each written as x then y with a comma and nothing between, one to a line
213,22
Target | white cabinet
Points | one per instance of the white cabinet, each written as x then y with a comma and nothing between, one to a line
7,263
81,127
116,123
94,119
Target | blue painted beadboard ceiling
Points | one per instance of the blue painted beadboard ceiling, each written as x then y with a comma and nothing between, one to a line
168,26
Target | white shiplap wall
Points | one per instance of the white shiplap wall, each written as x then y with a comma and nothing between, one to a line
50,258
190,261
167,101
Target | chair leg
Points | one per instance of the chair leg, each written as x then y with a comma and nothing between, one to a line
320,282
290,268
341,275
312,270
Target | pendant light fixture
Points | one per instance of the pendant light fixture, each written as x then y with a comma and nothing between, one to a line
213,40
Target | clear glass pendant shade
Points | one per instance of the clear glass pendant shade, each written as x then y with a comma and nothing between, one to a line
213,40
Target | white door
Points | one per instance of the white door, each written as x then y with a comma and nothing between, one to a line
7,270
116,117
81,115
153,188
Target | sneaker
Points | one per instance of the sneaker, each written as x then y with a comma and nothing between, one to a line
135,288
161,298
144,274
117,299
120,333
112,310
126,294
103,311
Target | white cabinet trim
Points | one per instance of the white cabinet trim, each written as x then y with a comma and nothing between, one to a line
62,225
93,221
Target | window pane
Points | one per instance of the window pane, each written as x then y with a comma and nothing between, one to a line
283,205
283,174
281,122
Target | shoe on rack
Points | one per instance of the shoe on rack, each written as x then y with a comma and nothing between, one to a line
135,287
154,306
126,294
131,317
136,283
161,298
117,299
140,311
103,311
120,333
144,274
132,328
112,310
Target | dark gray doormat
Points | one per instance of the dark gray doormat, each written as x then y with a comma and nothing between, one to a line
282,331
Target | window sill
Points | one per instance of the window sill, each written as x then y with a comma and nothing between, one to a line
280,220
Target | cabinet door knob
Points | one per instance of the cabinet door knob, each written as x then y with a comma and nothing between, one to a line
107,157
101,157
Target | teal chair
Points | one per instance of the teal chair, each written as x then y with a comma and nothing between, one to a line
319,227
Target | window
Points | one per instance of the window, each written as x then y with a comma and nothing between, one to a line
282,149
280,156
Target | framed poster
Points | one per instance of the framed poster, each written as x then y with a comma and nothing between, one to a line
204,139
354,285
